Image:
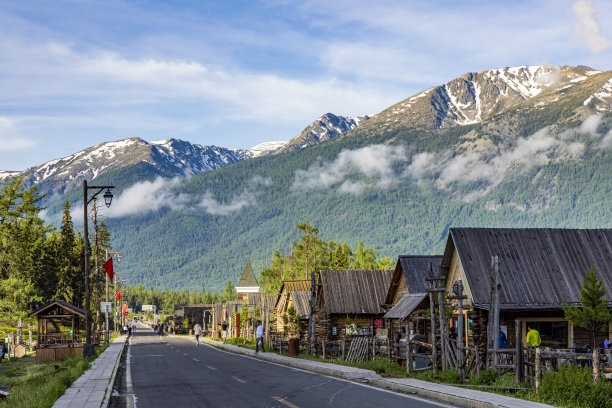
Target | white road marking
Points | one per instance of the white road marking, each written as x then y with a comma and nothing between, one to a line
195,359
239,380
285,402
211,367
128,375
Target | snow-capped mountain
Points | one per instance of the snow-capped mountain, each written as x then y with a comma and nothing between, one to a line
328,126
475,97
266,148
168,158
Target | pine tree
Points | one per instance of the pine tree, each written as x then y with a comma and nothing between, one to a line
594,313
69,275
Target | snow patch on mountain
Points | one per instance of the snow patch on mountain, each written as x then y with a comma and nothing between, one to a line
266,148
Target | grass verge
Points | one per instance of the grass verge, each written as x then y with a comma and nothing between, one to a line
39,385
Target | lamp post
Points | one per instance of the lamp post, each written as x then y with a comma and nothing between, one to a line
88,349
118,257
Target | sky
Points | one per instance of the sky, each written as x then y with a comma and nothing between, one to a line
238,73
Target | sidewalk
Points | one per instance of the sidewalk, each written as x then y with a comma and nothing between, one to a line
94,388
446,393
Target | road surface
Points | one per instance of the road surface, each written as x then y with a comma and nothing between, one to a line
174,372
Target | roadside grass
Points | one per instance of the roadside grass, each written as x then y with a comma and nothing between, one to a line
39,385
571,387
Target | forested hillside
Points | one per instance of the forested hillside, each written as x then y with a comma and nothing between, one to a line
543,161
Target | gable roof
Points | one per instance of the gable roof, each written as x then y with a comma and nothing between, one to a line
63,305
538,268
301,302
289,286
359,292
413,269
248,279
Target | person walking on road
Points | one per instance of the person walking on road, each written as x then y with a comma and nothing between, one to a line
160,330
259,336
197,329
224,332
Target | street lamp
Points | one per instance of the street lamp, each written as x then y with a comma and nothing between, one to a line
88,349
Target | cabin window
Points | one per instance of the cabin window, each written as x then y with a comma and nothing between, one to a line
553,334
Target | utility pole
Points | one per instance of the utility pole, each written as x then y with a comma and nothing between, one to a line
118,254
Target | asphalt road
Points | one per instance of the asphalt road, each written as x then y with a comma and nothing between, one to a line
174,372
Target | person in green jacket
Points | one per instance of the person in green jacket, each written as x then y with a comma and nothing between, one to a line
533,337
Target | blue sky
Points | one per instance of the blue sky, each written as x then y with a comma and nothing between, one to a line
235,74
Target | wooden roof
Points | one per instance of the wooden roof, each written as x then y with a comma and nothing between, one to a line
70,308
413,269
357,292
261,300
405,306
538,268
301,302
289,286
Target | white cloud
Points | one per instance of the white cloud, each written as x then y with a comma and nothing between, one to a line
152,196
354,170
590,125
588,28
10,138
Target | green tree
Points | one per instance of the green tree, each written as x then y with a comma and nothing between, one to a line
69,275
229,293
594,313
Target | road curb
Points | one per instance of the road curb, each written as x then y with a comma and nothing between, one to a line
109,390
345,372
372,378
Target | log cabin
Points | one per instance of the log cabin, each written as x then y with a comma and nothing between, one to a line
355,296
539,271
408,290
296,293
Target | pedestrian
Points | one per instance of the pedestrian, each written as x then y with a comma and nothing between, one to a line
129,330
3,352
533,337
125,329
160,330
501,340
196,331
134,328
259,336
224,332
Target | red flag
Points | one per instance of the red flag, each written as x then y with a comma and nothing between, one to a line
124,308
108,267
118,295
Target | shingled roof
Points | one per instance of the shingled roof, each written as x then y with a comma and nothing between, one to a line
359,292
248,279
538,268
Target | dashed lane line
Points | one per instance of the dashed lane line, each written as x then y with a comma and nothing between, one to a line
285,402
211,367
239,380
195,359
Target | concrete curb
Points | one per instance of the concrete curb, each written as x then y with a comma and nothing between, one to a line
109,391
348,373
95,387
437,392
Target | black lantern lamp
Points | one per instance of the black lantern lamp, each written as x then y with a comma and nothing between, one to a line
108,197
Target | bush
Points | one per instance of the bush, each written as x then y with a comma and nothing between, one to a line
574,387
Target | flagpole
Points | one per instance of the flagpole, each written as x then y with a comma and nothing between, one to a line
106,325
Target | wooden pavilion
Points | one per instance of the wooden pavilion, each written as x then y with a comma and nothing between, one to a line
59,324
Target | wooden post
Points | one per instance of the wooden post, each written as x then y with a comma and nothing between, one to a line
388,346
373,347
596,367
432,312
518,360
324,350
408,356
477,353
495,308
442,329
538,367
460,330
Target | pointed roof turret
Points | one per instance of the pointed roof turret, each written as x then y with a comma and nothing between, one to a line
248,282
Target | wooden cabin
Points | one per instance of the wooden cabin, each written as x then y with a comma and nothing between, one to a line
408,291
195,314
59,331
539,271
356,296
260,307
296,293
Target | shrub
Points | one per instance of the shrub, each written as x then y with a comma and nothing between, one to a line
486,377
574,387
